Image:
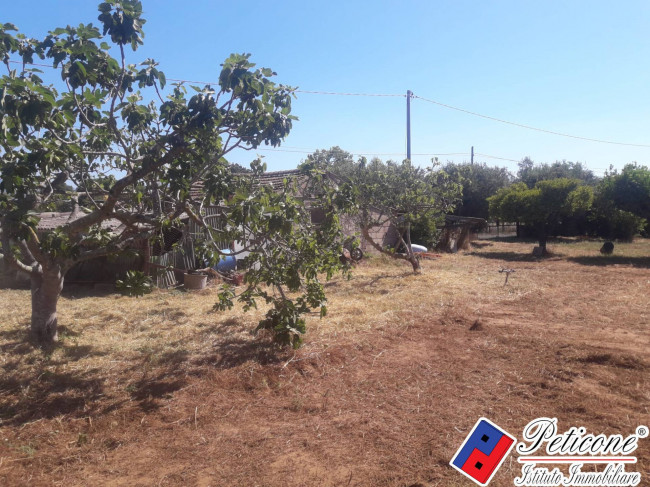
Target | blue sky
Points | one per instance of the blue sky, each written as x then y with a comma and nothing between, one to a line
575,67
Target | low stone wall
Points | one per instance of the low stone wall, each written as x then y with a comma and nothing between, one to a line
385,235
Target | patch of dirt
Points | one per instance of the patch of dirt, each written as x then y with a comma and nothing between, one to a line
382,394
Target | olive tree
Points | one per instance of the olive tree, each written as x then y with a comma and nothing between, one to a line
111,121
479,182
628,190
542,207
530,173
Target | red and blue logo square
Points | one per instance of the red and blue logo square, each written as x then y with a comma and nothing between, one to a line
483,451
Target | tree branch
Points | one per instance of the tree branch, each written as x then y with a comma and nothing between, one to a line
104,212
7,256
379,248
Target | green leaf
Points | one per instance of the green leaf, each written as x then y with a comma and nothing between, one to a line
162,79
81,67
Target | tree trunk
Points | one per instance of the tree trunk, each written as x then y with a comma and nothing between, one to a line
542,242
409,251
542,236
46,288
414,262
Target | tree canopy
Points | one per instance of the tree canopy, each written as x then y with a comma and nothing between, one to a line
381,194
134,153
531,173
542,207
629,190
622,203
479,182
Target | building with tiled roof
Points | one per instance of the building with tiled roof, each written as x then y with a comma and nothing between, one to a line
386,235
49,220
275,179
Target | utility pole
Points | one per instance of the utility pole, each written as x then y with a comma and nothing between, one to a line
409,94
472,155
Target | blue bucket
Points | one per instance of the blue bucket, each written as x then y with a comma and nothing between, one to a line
227,263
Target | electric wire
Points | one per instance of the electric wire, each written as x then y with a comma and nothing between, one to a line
347,94
495,157
521,125
308,151
428,100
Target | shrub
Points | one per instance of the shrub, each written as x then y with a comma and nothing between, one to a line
136,284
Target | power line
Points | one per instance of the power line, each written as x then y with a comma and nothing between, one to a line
298,90
496,157
445,105
310,92
347,94
528,126
308,151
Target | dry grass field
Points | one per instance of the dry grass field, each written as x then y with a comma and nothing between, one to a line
162,391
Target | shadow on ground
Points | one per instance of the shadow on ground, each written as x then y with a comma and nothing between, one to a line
75,290
35,385
48,394
17,341
174,369
375,280
534,241
601,260
237,351
510,256
479,245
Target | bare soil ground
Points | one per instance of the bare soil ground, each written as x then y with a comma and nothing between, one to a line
162,391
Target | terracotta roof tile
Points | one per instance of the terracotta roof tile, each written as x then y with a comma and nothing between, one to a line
275,179
50,220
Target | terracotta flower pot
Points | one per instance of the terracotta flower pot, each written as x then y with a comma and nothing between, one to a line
195,281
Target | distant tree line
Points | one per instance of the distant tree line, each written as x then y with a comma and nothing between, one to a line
548,199
561,198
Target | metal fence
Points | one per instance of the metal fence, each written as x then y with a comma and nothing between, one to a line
183,256
494,229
